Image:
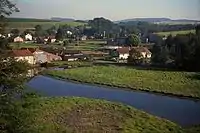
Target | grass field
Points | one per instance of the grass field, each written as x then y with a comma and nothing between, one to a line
67,63
23,45
87,45
174,33
81,115
177,83
26,25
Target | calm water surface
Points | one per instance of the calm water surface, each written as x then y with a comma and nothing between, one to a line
182,111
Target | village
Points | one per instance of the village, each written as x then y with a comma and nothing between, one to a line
46,50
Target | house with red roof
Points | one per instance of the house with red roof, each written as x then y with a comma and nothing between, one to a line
24,55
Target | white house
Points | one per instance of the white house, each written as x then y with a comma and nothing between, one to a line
24,55
28,37
2,36
18,39
123,53
69,32
145,53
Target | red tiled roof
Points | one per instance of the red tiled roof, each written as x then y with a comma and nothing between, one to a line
123,50
17,53
32,50
142,49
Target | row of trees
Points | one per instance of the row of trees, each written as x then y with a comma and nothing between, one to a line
12,77
182,51
101,27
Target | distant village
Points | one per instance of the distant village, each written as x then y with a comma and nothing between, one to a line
116,49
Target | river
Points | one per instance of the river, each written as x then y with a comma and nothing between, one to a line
185,112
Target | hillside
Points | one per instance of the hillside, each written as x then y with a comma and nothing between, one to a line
174,33
29,23
161,20
28,20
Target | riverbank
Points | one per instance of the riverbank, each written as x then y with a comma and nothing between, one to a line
86,115
182,84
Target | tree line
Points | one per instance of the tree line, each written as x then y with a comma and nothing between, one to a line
180,51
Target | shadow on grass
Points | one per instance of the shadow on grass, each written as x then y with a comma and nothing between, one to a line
141,67
195,76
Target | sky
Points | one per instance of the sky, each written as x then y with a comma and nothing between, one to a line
110,9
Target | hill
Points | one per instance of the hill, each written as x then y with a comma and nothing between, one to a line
174,33
28,20
62,19
30,23
161,20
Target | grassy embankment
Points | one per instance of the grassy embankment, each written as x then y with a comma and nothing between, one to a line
175,83
72,64
174,33
81,115
24,45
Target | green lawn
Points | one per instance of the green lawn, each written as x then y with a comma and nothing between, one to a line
174,33
178,83
81,115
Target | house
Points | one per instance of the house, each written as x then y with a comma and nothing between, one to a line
24,55
52,57
94,54
120,53
42,56
123,53
9,35
28,37
144,52
121,41
72,55
18,39
2,36
51,39
83,38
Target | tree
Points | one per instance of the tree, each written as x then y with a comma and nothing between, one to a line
15,32
59,34
39,31
52,30
160,54
135,57
6,9
12,76
133,40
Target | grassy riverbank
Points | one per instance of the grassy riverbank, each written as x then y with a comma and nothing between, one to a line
68,63
75,115
177,83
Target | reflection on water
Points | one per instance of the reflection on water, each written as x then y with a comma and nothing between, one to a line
181,111
33,72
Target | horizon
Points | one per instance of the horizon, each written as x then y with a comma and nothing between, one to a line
104,18
115,11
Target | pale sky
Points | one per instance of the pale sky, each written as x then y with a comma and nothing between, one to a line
111,9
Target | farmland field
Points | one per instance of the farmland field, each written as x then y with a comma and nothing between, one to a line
174,33
177,83
86,45
28,25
